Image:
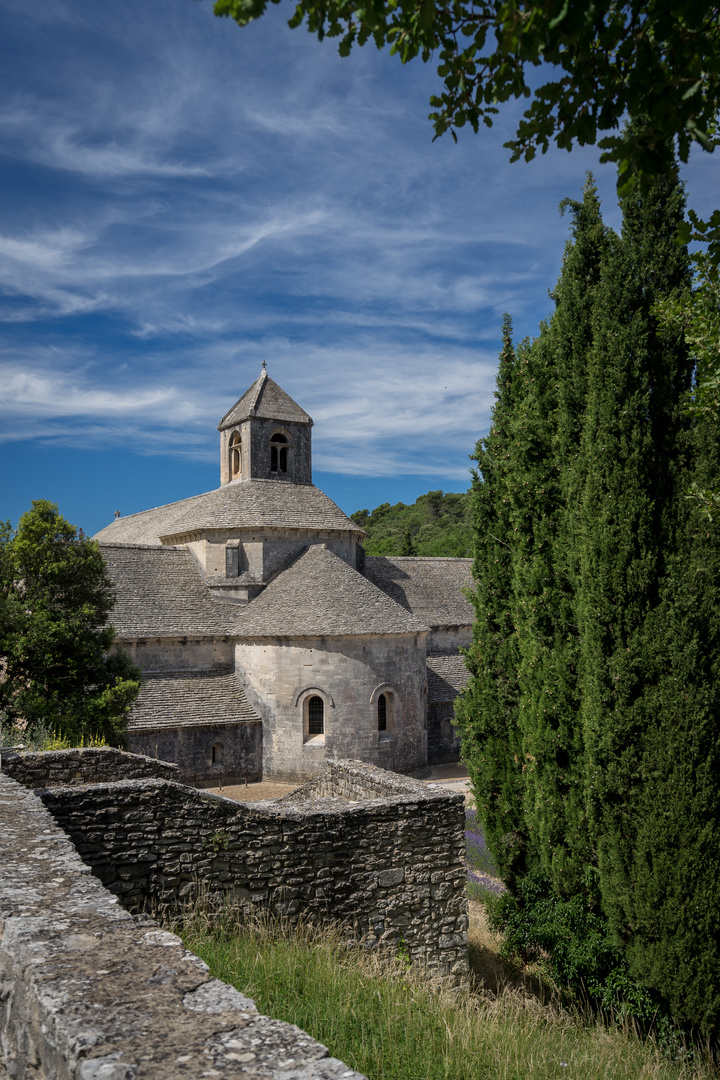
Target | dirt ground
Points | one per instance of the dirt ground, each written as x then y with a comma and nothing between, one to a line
453,777
266,789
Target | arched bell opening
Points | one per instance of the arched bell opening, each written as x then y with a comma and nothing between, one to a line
280,454
235,451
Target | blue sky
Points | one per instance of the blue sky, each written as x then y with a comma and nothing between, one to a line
181,200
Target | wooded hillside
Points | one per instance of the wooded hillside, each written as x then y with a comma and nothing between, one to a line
437,523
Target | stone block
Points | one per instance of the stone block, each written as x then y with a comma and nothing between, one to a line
388,878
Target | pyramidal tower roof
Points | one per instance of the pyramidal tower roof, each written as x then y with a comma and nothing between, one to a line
267,400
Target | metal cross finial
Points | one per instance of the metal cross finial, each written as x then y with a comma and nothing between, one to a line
264,365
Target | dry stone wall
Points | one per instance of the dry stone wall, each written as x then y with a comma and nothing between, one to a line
89,992
50,768
92,990
385,856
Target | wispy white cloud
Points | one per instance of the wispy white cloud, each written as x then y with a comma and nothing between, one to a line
415,413
181,199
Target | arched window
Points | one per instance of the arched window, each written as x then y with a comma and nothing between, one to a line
382,713
448,731
386,712
235,455
279,453
316,716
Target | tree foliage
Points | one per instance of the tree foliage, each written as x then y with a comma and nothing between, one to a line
61,670
487,714
603,58
437,523
590,724
696,315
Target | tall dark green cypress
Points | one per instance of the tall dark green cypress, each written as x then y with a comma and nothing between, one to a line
487,713
537,605
662,891
630,443
593,714
547,568
651,621
519,717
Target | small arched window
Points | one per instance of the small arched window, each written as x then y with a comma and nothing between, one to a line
235,455
316,716
279,453
386,706
382,713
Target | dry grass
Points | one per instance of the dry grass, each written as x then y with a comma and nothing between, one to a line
391,1023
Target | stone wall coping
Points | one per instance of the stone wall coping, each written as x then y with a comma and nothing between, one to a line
80,766
85,751
270,808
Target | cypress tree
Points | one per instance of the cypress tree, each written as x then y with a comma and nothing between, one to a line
518,717
487,713
591,719
548,566
651,625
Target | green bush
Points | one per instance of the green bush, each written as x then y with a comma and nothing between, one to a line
569,939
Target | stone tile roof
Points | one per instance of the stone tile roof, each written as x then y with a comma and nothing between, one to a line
188,699
320,594
431,588
241,504
447,676
160,593
267,400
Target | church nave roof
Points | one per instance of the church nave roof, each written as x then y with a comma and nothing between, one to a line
431,588
189,699
160,593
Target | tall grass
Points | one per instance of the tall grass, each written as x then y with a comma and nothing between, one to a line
392,1023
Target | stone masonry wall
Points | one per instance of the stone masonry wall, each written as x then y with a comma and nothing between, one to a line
89,992
443,739
346,670
191,748
350,780
49,768
390,863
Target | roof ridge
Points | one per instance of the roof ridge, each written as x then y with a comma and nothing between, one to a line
263,381
161,673
424,558
141,547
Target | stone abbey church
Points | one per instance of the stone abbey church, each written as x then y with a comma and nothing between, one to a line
268,640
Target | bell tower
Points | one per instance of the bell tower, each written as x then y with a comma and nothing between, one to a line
266,436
